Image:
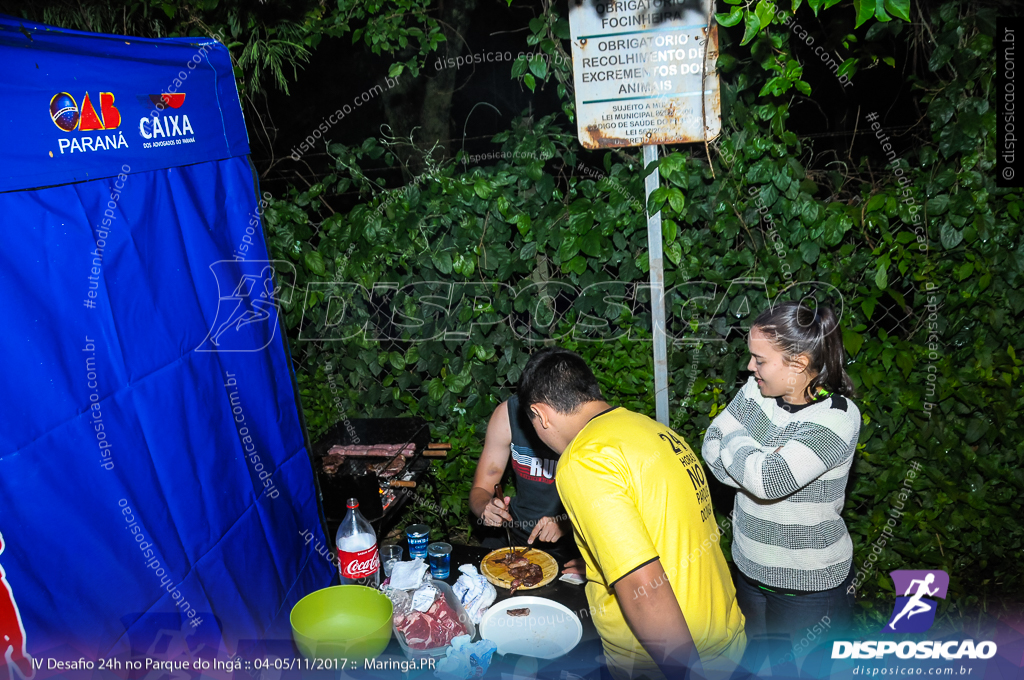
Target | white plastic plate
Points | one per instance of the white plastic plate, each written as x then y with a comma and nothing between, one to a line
549,631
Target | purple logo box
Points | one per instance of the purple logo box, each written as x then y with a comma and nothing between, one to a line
914,611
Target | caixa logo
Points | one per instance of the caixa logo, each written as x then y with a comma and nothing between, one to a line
165,128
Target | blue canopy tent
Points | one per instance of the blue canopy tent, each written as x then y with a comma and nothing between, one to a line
154,472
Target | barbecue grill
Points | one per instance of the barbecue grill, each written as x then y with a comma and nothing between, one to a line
378,501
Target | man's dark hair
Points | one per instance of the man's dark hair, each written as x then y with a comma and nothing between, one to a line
559,378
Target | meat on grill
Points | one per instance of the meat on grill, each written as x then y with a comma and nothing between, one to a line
388,469
431,629
336,456
331,462
388,450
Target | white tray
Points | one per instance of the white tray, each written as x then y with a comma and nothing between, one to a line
549,631
453,602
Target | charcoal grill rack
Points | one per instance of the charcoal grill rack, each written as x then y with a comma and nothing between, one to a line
353,481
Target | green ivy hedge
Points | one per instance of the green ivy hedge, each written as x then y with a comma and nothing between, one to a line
927,270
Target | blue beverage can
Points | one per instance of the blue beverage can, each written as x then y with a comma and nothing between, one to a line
418,536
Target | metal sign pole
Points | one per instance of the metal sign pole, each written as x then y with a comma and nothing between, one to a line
657,262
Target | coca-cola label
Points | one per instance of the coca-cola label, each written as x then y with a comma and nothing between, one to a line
359,564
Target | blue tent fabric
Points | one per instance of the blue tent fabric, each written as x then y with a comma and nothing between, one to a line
152,457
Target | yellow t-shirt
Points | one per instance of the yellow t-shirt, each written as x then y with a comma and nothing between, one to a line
635,492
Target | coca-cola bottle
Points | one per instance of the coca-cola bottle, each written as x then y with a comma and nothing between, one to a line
358,559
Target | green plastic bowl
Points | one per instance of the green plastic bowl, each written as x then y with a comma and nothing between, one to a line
352,622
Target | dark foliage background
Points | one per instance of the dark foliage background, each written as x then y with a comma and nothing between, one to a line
931,305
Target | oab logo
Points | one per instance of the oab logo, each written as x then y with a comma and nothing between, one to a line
65,114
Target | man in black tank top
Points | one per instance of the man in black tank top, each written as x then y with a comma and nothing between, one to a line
536,512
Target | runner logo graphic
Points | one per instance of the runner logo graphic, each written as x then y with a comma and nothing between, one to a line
914,612
247,305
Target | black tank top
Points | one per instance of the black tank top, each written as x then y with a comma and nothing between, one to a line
533,464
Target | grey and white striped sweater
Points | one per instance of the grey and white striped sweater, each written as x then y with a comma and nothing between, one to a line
791,471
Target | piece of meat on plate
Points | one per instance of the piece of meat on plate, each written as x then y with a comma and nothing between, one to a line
435,628
512,559
447,621
529,575
521,611
418,630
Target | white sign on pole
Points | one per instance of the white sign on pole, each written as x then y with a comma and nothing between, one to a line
638,67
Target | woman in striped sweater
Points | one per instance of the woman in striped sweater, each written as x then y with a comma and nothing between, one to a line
786,442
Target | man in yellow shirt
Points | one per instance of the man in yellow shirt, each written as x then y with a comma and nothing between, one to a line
642,517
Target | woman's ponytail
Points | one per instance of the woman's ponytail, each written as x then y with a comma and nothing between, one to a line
797,329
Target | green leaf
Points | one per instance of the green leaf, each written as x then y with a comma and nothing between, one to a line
865,10
751,25
809,213
674,253
576,265
315,263
950,236
938,204
868,307
765,11
442,262
658,197
591,244
809,251
519,67
976,429
396,70
882,277
669,230
941,110
397,359
940,55
965,270
676,199
539,66
436,389
899,9
905,363
734,17
482,188
852,341
530,81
